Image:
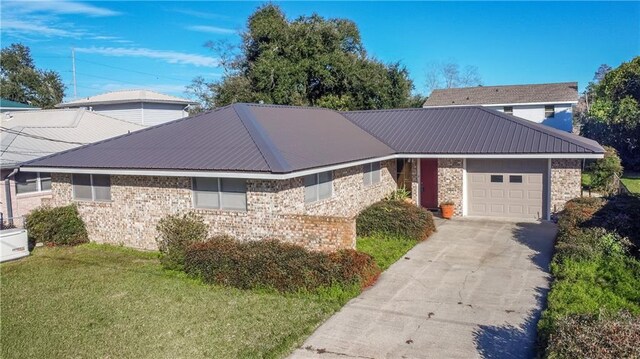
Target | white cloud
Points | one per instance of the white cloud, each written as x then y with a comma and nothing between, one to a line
200,14
57,7
211,29
172,57
36,28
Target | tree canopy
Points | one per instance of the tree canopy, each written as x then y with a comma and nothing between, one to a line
310,61
613,116
21,81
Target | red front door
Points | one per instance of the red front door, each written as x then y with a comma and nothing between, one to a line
429,183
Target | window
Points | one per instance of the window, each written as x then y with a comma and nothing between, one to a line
549,111
496,178
515,179
220,193
371,173
91,187
318,186
508,110
29,182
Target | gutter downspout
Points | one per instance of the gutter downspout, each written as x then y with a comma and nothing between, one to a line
7,192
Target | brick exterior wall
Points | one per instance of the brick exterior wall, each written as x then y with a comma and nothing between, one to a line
450,173
566,182
275,209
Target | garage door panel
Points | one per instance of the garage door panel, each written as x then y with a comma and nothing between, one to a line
516,194
519,194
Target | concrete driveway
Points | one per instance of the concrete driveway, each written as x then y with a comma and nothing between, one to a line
475,289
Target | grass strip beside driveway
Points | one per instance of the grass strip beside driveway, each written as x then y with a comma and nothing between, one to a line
104,301
385,249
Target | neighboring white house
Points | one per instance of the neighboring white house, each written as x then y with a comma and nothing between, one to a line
142,107
27,135
549,104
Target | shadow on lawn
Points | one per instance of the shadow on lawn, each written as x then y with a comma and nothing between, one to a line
510,341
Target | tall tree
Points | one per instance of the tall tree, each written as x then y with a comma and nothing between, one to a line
449,75
309,61
613,117
21,81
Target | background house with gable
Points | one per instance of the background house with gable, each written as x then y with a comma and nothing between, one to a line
550,104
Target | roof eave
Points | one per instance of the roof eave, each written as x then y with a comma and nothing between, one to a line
297,173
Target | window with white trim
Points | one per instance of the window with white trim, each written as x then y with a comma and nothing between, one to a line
31,182
371,173
220,193
89,187
318,186
549,111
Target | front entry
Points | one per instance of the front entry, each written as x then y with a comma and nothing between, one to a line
429,183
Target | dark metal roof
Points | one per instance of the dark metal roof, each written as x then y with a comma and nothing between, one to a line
284,139
467,130
239,137
510,94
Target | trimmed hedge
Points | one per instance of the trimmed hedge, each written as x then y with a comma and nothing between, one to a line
176,233
396,218
56,226
274,264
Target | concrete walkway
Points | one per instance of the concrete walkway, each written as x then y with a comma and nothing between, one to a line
475,289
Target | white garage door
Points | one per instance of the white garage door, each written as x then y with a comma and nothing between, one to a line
507,188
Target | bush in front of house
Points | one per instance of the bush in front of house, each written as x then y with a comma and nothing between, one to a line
56,226
274,264
175,234
596,336
603,170
396,218
595,276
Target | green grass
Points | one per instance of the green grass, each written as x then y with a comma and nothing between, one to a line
385,249
97,301
631,180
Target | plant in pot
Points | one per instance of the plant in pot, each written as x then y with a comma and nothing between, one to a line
447,208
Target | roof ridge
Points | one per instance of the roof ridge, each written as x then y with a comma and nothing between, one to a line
550,131
267,148
514,85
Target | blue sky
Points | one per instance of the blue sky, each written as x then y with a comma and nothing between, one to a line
159,44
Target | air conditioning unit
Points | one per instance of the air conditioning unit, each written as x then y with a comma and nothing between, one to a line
14,244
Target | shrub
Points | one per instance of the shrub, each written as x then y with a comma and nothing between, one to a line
56,226
176,233
401,194
396,218
274,264
603,170
596,336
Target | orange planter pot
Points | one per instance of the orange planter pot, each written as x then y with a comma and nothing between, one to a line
447,210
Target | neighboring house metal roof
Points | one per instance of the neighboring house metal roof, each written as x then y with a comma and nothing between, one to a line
126,96
564,92
467,130
27,135
7,105
284,139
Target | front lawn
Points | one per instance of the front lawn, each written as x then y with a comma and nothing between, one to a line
631,180
97,301
385,249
